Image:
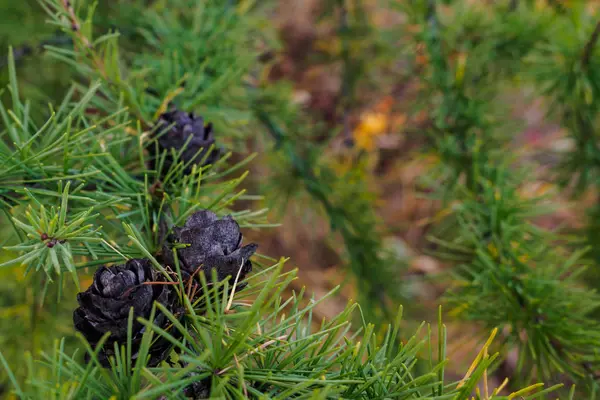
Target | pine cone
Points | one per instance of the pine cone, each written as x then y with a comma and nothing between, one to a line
105,306
213,244
186,125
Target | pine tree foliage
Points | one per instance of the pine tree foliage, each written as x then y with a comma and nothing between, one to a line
78,192
260,347
85,183
509,273
231,346
222,80
571,83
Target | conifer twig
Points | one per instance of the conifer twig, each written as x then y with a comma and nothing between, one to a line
76,28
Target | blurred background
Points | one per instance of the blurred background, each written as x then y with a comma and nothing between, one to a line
385,127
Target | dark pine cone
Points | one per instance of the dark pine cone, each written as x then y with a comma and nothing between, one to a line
105,306
183,126
213,243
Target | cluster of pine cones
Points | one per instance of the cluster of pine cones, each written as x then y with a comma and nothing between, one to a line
212,244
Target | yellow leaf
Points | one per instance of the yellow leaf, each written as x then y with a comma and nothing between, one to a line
371,126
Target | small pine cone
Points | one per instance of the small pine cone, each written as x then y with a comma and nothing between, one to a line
183,125
105,306
213,244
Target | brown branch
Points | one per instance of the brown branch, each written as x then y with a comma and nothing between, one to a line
76,28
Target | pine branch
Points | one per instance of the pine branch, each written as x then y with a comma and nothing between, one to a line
498,269
265,347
